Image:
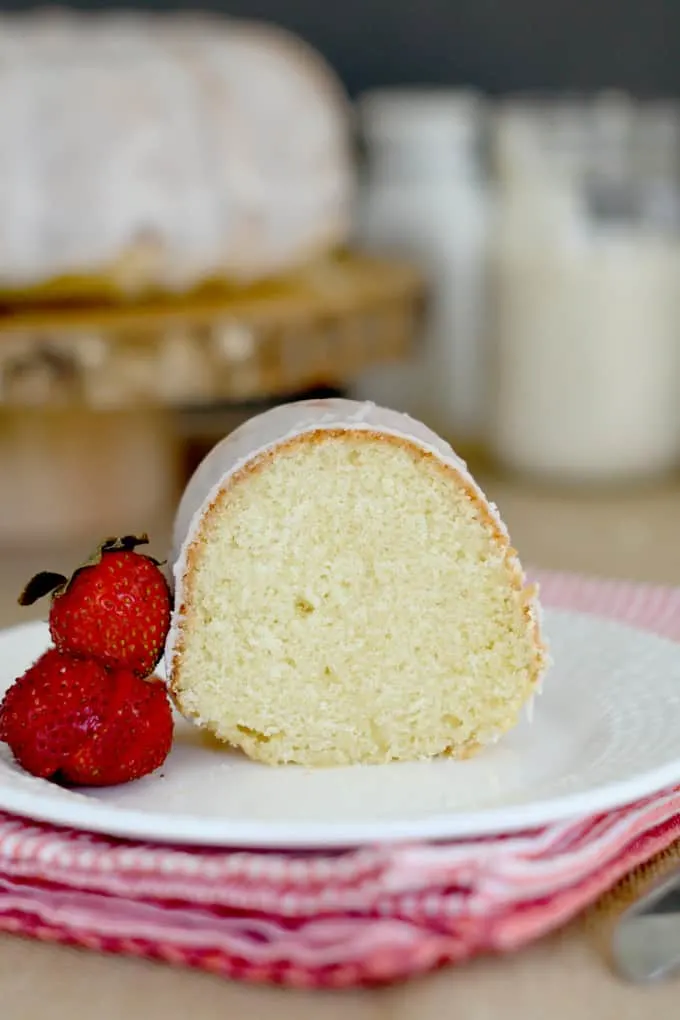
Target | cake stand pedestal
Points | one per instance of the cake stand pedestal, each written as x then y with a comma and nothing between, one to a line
91,396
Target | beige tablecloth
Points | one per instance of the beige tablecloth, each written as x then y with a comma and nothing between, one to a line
620,535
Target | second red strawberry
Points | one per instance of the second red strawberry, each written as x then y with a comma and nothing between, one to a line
74,721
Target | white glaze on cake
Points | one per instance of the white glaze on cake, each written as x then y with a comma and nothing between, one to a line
173,148
288,421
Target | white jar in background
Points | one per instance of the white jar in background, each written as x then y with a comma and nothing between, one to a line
424,197
586,306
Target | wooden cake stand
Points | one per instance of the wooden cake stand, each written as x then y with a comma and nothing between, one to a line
90,396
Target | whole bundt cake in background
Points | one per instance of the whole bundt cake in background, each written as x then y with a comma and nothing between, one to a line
160,151
345,593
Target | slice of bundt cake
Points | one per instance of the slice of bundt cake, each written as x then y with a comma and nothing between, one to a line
345,593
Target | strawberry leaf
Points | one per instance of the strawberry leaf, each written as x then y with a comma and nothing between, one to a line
125,543
44,583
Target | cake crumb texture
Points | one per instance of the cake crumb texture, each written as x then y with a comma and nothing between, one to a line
349,598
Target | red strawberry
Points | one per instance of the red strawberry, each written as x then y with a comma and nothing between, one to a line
52,710
115,608
135,739
73,720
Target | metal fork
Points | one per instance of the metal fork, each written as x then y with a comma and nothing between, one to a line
645,943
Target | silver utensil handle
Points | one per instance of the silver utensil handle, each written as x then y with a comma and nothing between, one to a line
645,944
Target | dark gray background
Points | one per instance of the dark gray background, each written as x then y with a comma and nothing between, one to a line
496,45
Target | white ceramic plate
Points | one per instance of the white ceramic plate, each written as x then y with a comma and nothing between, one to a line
605,731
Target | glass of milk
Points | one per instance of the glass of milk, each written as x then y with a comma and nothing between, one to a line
586,289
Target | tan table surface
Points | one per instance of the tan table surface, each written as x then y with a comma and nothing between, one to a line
632,535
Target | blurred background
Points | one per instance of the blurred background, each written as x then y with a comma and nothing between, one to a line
465,210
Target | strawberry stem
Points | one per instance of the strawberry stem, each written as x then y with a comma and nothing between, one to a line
126,543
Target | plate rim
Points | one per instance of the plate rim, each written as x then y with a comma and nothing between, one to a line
101,818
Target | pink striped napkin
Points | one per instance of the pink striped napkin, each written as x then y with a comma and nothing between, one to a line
364,916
